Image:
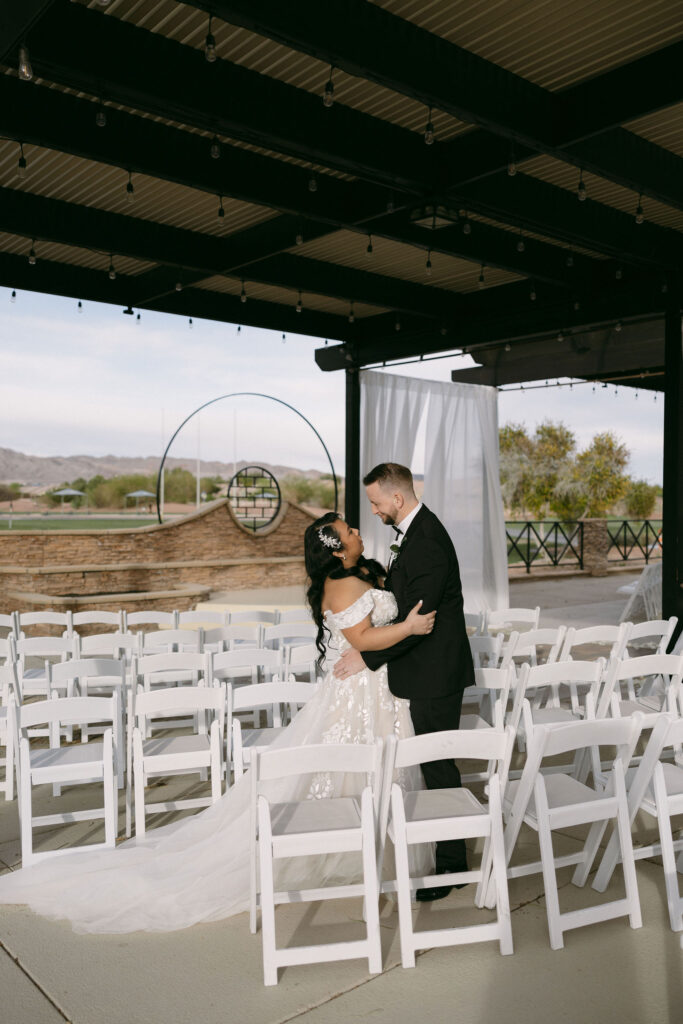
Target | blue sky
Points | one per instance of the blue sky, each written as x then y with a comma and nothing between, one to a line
99,383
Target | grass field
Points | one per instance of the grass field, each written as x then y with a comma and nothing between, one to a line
84,523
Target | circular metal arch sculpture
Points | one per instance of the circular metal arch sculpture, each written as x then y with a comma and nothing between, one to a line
243,394
255,498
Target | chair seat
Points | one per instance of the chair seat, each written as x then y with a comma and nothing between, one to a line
562,791
646,705
175,746
260,737
473,722
67,763
553,716
430,804
673,780
309,816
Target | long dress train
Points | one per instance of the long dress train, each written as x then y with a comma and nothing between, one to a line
197,869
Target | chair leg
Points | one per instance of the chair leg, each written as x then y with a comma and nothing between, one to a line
545,841
668,855
26,810
216,768
405,911
371,886
590,852
110,791
139,783
627,858
610,859
497,846
267,896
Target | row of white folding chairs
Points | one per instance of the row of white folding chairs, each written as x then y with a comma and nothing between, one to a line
122,620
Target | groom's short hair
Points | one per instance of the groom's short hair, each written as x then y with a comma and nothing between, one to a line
390,474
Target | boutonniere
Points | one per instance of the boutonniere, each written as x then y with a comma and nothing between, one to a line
394,548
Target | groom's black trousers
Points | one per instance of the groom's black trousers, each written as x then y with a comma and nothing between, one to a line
434,716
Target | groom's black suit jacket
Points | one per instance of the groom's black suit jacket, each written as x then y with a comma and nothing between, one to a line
426,567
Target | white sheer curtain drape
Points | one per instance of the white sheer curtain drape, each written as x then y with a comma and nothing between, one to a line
461,470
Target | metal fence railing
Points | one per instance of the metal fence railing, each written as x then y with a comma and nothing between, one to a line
634,540
544,543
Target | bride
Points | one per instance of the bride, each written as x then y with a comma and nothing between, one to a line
197,869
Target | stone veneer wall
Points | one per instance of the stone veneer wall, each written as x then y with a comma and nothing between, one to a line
209,548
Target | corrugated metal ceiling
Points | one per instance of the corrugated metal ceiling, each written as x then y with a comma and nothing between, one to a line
18,246
288,297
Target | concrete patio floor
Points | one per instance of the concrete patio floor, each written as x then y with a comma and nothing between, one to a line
213,973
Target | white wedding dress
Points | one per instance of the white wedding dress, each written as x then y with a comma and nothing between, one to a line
197,869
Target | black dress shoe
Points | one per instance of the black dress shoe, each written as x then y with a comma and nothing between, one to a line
441,891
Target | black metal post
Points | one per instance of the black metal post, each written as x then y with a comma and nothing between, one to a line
672,515
353,470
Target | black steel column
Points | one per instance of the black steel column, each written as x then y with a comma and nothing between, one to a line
353,471
672,568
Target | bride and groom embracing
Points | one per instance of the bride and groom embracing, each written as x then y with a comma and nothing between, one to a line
405,661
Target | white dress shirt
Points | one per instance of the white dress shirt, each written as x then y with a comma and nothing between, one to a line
403,527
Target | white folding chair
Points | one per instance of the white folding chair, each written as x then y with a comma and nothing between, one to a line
554,801
289,633
24,620
253,616
149,618
301,660
74,764
315,828
102,618
226,638
657,790
177,668
493,686
34,680
93,677
124,646
652,637
487,650
7,622
509,619
10,689
665,669
475,623
280,698
298,614
247,665
427,816
175,755
202,618
609,641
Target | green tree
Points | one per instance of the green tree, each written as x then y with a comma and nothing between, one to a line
553,448
640,499
600,472
516,454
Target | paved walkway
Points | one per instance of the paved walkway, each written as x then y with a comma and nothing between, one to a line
211,974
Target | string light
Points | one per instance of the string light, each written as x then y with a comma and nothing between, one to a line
560,336
391,206
481,282
618,274
444,331
112,271
138,318
577,305
243,293
221,211
352,315
299,237
210,44
507,347
299,305
664,288
13,296
368,251
101,117
313,183
520,243
328,95
215,149
239,328
21,163
618,326
190,324
25,69
397,325
284,338
80,306
32,254
130,189
428,264
466,226
429,130
512,166
640,216
581,190
532,293
179,286
569,260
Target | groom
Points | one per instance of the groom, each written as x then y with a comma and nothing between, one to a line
430,671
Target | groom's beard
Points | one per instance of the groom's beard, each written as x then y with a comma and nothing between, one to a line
387,519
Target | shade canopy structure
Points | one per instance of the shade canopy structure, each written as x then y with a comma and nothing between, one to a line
400,179
68,492
140,494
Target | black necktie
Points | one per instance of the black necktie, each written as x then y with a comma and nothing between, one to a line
397,530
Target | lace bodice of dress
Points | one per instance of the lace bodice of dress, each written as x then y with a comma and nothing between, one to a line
380,605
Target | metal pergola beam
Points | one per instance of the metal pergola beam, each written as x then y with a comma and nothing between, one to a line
16,20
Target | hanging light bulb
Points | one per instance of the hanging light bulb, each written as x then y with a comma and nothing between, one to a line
512,166
640,216
577,305
618,274
112,271
429,130
664,288
130,190
520,243
481,282
215,149
243,294
428,264
466,226
569,260
391,205
13,296
299,237
352,315
581,190
299,305
221,211
210,44
328,95
179,286
618,326
312,183
397,325
560,336
138,318
507,347
284,338
239,328
25,69
80,306
104,3
32,254
101,117
21,163
444,331
368,251
190,324
532,293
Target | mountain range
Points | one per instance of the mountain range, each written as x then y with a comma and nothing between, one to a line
48,471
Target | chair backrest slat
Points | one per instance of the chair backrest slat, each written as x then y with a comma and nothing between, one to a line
319,757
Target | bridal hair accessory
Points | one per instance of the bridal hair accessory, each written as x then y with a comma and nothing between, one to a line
329,542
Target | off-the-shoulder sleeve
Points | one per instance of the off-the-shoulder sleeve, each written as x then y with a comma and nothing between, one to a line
356,612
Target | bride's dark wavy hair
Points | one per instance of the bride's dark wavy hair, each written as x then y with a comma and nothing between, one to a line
322,564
